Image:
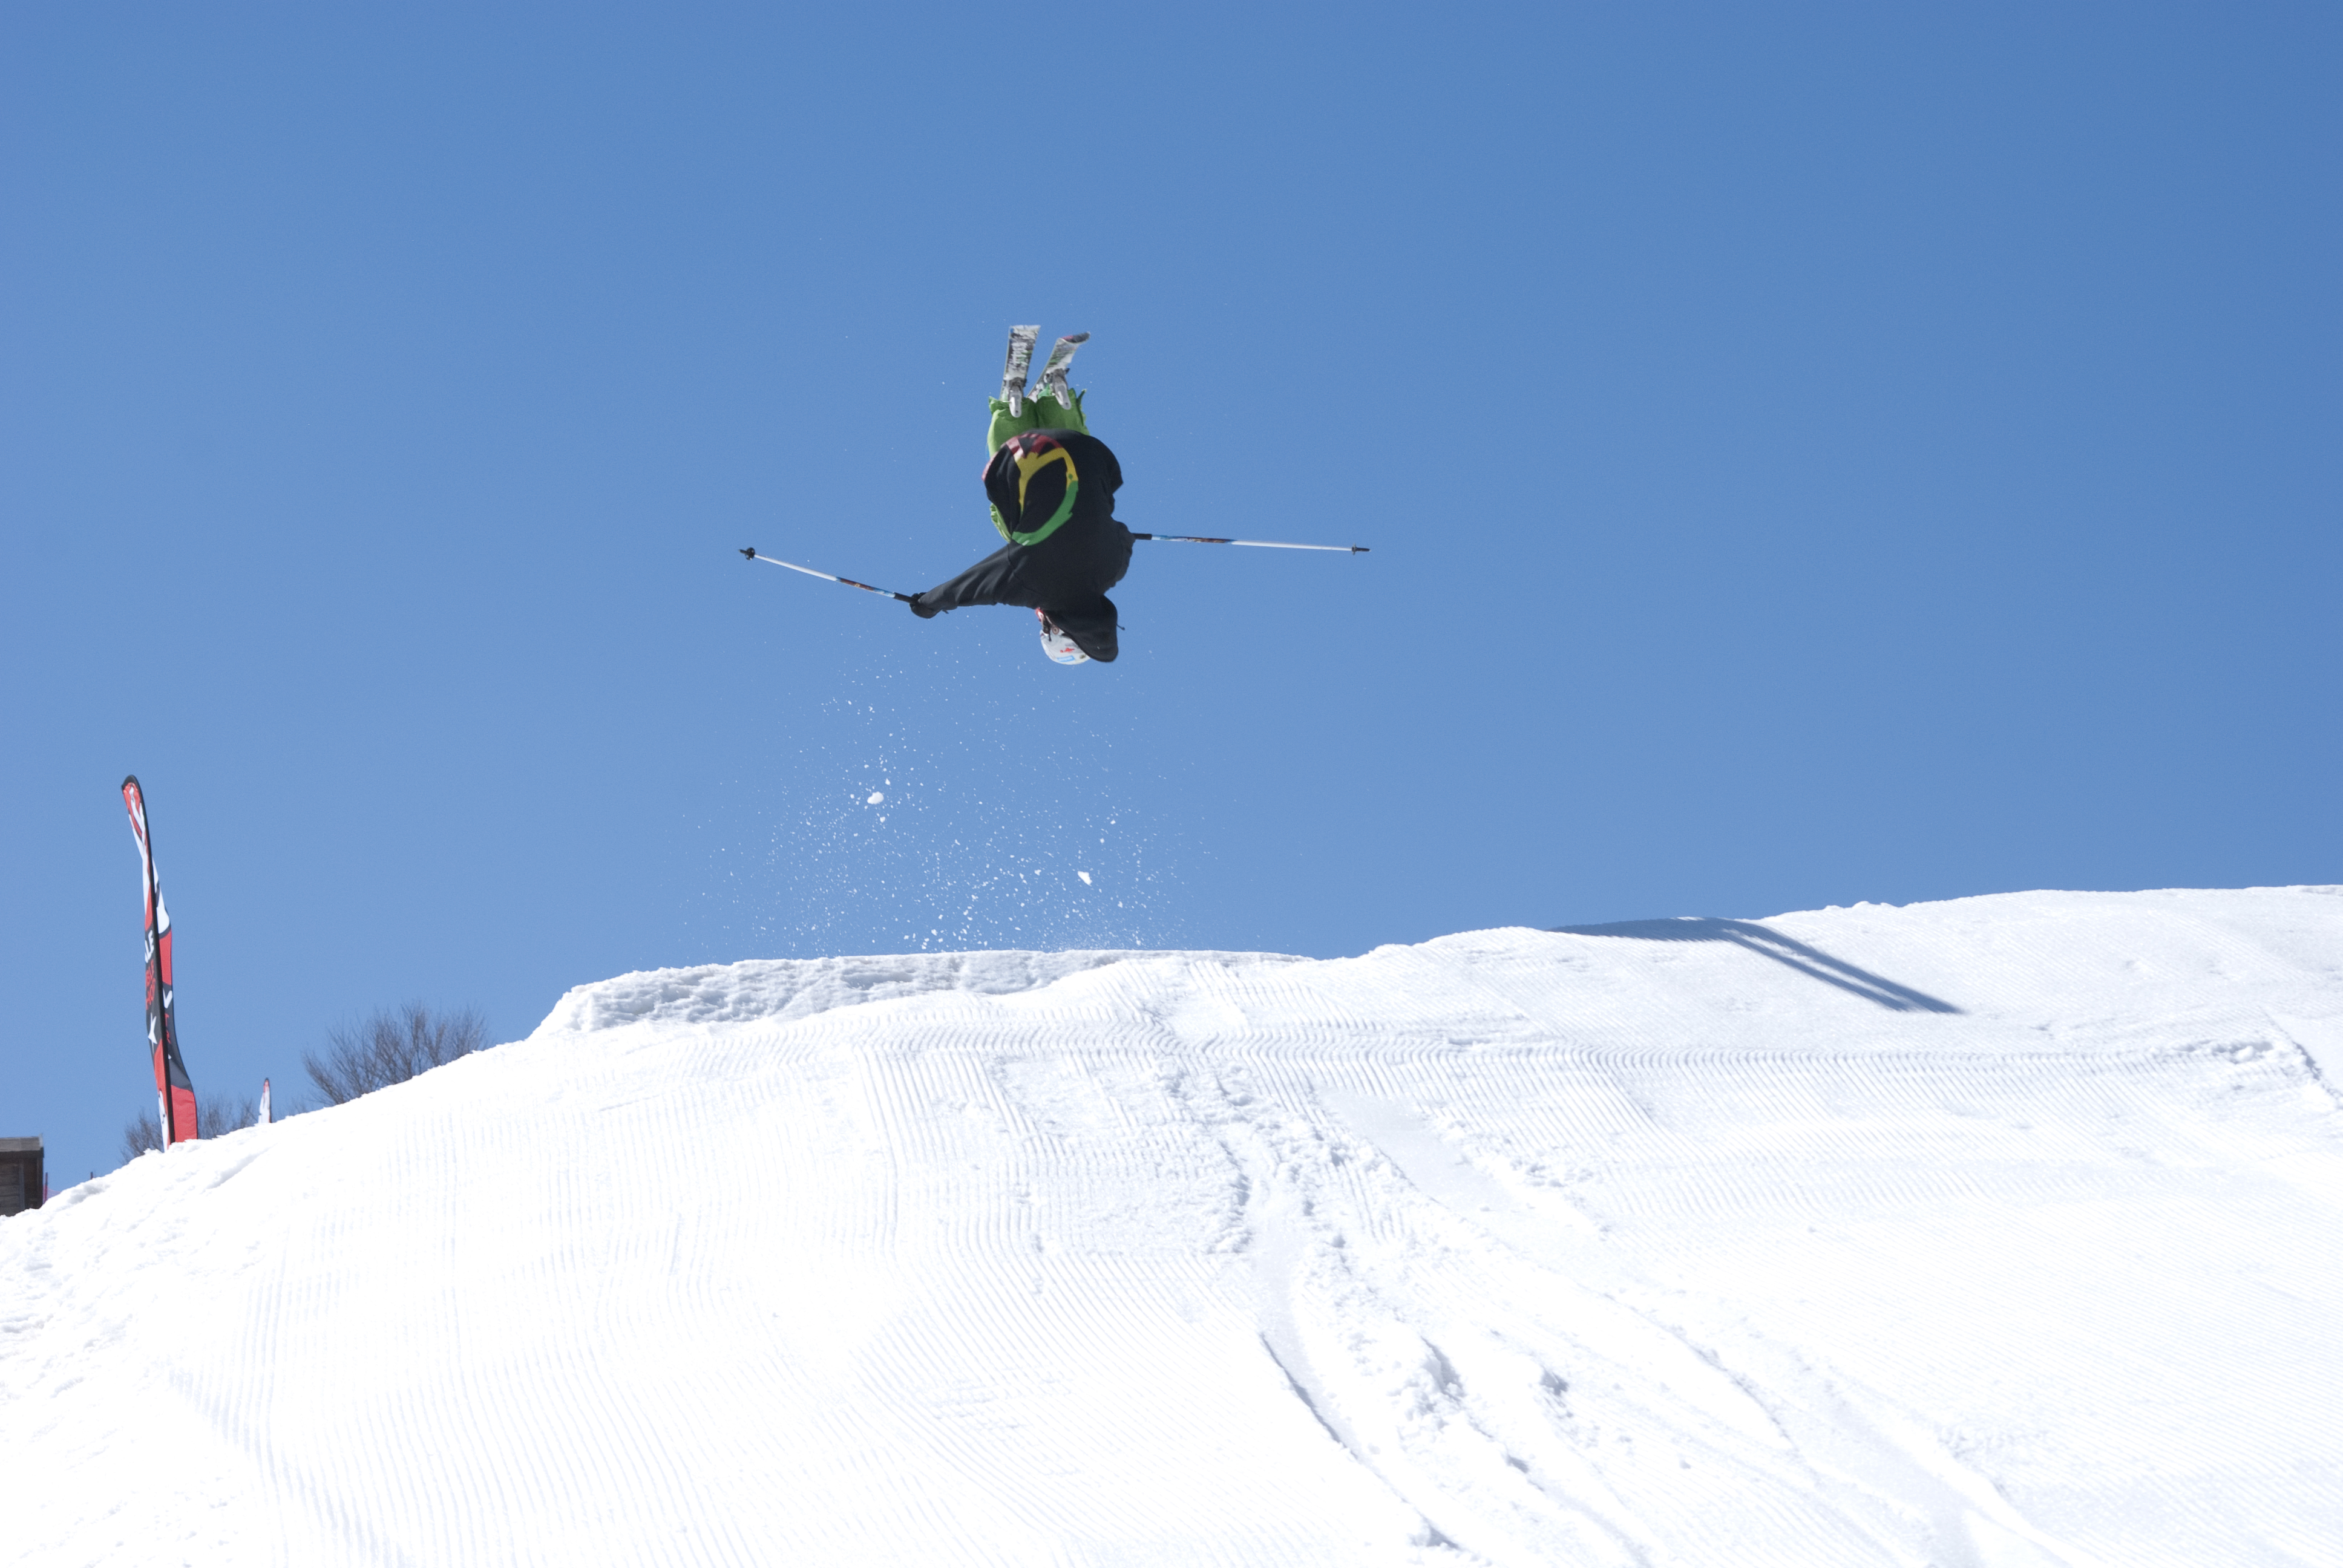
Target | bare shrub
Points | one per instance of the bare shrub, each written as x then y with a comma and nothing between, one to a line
216,1117
139,1134
391,1047
213,1117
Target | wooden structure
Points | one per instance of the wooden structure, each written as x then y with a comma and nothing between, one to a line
21,1176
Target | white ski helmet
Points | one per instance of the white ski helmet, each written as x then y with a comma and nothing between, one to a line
1062,648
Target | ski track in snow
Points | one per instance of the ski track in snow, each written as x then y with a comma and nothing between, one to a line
1996,1233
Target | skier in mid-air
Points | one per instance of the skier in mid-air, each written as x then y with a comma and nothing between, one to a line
1052,484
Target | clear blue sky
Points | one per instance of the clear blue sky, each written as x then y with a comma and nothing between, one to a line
1811,454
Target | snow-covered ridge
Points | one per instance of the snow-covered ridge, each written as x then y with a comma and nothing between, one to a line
785,989
2003,1232
2074,971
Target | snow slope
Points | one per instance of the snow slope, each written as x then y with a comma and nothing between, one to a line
1978,1235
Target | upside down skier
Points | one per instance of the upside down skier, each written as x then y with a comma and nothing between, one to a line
1052,484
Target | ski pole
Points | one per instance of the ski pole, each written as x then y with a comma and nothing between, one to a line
1257,544
775,560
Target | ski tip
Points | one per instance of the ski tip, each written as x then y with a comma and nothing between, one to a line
751,552
1359,549
1075,337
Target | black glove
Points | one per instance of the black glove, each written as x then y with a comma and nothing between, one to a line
925,612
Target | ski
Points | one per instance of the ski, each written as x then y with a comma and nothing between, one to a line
1062,357
1021,359
827,577
174,1091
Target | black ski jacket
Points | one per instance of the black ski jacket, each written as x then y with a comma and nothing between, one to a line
1074,559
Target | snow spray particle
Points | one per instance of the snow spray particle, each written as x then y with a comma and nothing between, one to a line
988,824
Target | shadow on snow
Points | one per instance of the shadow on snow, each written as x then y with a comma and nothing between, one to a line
1756,938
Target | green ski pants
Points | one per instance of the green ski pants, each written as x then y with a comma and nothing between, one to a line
1041,413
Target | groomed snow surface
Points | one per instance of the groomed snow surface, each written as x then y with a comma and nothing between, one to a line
1977,1234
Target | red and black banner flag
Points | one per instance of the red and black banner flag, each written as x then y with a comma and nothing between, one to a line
173,1090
